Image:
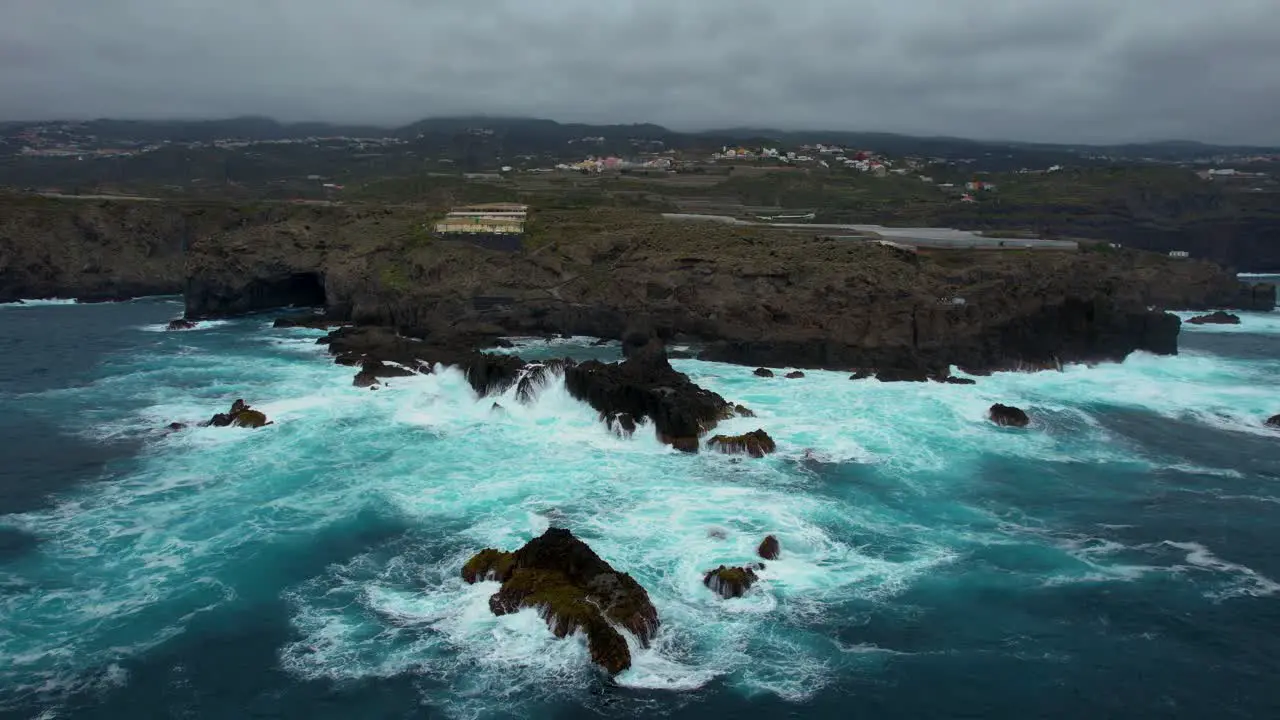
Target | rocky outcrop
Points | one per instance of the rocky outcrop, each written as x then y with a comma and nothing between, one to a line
756,443
180,324
371,371
574,589
902,375
1008,416
536,377
731,582
763,372
769,548
645,386
376,346
794,375
1273,421
1216,318
952,380
240,415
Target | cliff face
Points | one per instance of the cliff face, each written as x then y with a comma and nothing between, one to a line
754,298
102,250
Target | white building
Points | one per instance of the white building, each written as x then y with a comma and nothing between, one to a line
1179,254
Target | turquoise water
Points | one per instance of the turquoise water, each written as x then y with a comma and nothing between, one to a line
1119,558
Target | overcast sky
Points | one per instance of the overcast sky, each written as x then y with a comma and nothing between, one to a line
1058,70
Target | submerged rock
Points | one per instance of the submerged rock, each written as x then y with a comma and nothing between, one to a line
769,548
180,324
794,375
176,426
240,415
1008,416
1216,318
573,589
763,372
756,443
951,380
730,582
1273,421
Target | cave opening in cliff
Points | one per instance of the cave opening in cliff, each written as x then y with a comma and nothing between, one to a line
303,290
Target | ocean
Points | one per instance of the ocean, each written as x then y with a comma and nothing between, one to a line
1120,558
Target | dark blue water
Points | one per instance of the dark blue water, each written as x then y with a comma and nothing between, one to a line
1119,559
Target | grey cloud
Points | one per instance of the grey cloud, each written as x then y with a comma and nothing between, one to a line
1078,70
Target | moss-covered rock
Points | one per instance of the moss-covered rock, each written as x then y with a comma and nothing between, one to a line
756,443
240,415
730,582
574,590
488,564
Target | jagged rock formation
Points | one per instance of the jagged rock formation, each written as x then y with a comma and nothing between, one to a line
373,370
645,386
731,582
180,324
1216,318
1008,416
240,415
756,443
573,589
769,548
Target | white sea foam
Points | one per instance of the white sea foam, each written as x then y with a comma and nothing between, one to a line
42,302
129,561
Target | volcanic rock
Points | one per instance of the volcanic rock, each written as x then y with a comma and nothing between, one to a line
952,380
756,443
1273,421
1008,416
372,370
645,386
176,426
240,415
743,411
180,324
769,548
902,375
536,376
861,375
763,372
574,590
621,424
794,375
1216,318
730,582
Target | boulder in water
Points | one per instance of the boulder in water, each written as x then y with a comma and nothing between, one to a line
763,372
756,443
176,426
769,548
1273,421
743,411
240,415
730,582
951,380
861,374
1215,318
794,375
574,590
180,324
1008,416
